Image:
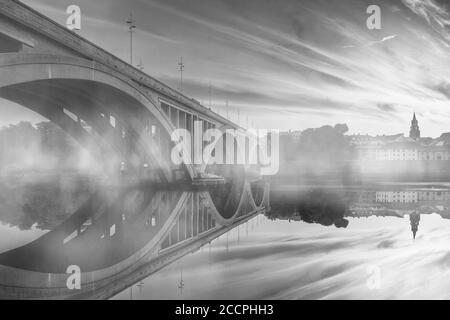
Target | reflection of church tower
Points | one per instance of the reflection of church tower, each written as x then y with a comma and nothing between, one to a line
414,132
414,218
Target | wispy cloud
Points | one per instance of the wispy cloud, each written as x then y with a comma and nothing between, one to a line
284,63
383,40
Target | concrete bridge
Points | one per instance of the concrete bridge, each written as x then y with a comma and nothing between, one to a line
95,96
125,118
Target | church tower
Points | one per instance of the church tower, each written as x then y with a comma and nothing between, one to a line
414,132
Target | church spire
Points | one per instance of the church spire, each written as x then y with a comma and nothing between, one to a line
414,132
414,219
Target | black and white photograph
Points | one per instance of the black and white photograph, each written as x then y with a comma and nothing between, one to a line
224,150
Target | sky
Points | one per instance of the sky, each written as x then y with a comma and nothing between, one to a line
291,64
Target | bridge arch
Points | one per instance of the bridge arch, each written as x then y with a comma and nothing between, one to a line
67,79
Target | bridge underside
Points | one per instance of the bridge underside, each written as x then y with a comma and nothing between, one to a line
94,113
87,103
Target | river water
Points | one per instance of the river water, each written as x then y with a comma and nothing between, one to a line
295,260
385,241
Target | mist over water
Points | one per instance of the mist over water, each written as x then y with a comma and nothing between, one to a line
42,148
319,241
45,175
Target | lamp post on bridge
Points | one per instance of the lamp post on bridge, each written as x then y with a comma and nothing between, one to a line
210,95
131,26
227,108
181,69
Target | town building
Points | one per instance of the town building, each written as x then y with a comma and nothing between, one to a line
400,148
414,131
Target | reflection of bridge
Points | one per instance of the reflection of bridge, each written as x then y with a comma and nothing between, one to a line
125,118
119,241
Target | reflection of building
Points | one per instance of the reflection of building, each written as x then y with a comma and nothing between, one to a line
397,196
369,211
414,219
399,203
433,195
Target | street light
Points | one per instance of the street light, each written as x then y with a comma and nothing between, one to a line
131,26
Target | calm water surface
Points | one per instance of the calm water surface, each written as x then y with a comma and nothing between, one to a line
317,243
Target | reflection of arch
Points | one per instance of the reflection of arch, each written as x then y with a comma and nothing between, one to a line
266,198
246,204
15,282
258,190
18,283
89,229
226,198
36,72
